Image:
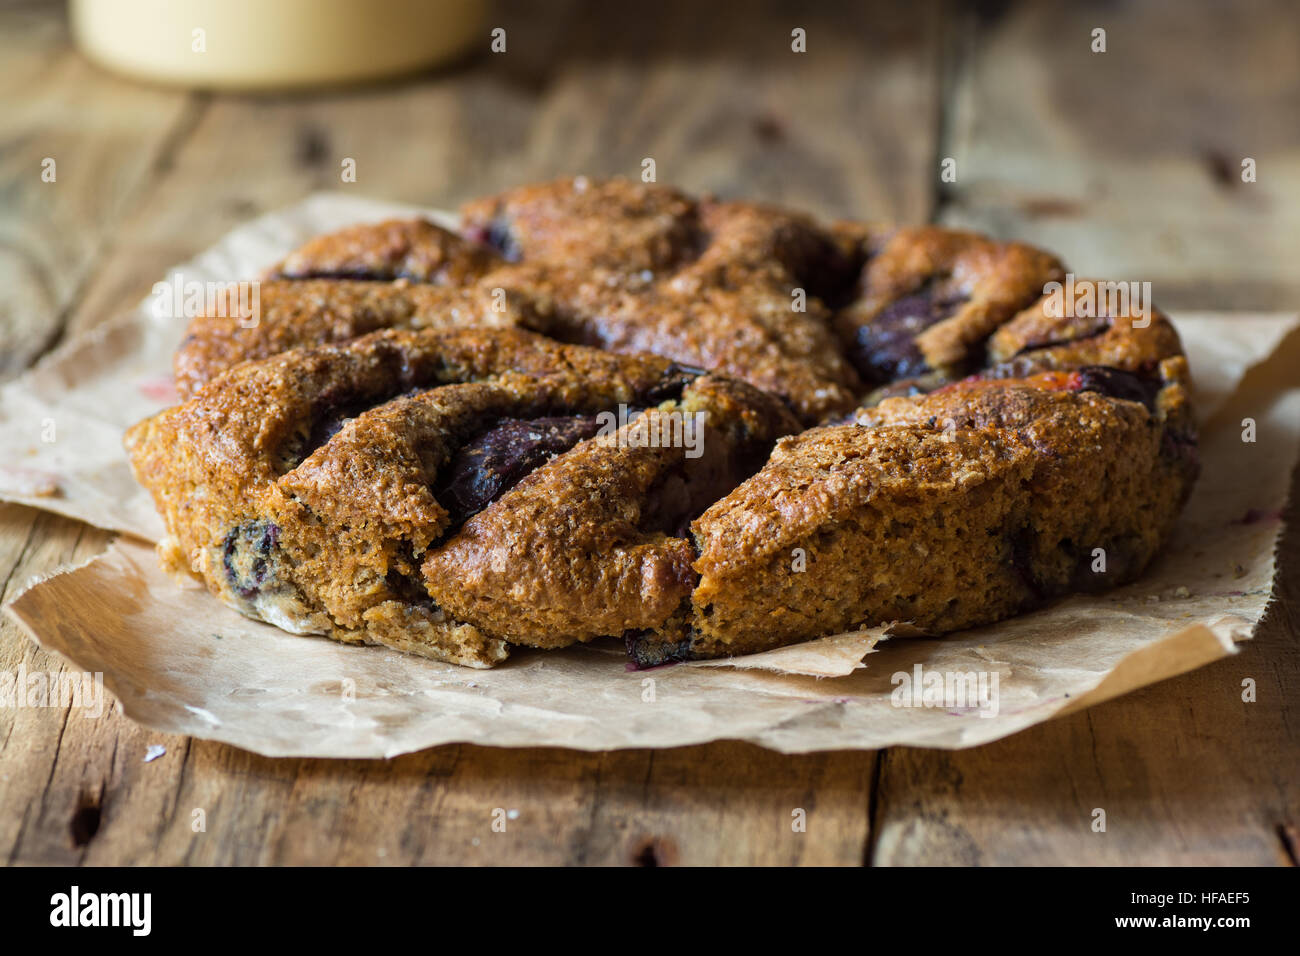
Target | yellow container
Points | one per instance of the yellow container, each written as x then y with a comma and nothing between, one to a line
274,44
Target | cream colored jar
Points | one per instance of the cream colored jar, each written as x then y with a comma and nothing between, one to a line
270,44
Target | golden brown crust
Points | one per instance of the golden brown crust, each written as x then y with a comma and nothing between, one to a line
961,286
590,544
614,223
444,486
748,332
946,510
323,311
731,286
412,249
250,424
302,488
1050,335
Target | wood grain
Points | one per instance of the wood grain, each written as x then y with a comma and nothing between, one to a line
845,129
1127,163
470,805
1186,772
1048,146
104,137
748,117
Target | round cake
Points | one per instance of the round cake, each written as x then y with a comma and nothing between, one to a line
707,428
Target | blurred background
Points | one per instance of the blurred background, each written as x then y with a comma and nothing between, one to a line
1127,162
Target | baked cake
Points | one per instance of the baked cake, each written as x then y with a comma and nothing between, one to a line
606,409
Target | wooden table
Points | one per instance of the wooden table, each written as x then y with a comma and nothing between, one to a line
1124,162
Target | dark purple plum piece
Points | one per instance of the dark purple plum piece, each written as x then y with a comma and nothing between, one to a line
496,235
885,349
675,379
1117,383
496,460
246,555
645,649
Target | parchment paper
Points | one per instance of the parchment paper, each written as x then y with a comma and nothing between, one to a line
179,661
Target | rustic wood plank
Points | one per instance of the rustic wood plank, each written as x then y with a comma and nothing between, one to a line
474,805
1186,772
103,136
86,793
1128,163
721,103
50,759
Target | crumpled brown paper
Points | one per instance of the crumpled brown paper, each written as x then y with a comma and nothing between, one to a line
181,662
